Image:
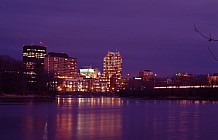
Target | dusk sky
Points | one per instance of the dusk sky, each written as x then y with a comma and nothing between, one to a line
150,34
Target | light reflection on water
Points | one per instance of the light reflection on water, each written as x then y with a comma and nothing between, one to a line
90,102
94,118
109,118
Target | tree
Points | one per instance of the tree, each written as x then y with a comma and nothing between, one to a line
209,38
11,76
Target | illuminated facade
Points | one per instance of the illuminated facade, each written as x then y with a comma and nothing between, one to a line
112,70
89,72
82,84
213,79
33,62
61,65
76,84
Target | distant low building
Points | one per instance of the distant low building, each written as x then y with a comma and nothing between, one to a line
182,79
82,85
136,83
146,75
76,84
213,79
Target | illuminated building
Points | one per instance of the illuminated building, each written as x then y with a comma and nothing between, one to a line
82,85
182,79
112,70
76,84
61,65
89,72
213,79
33,62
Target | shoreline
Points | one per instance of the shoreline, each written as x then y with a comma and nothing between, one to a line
200,94
24,98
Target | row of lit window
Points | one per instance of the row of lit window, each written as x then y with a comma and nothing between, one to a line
11,71
34,55
66,59
38,50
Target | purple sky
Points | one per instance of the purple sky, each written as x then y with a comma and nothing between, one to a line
150,34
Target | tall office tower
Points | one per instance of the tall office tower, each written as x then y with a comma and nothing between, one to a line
33,62
61,65
112,70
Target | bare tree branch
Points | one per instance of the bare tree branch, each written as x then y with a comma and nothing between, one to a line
207,37
211,53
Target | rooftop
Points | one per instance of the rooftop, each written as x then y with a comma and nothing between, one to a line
53,54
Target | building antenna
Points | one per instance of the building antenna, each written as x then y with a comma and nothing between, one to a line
41,43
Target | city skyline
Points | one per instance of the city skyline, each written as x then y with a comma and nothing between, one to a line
101,67
153,35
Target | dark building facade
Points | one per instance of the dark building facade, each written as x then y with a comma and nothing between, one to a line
146,75
33,64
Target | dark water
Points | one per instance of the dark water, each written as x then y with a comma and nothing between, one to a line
109,118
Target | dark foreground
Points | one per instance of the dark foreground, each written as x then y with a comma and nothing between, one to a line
109,118
174,93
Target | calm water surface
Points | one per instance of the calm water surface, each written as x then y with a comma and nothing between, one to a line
109,118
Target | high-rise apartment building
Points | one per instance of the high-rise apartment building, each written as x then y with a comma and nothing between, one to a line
33,62
112,70
61,65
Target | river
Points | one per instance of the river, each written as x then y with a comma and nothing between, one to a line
109,118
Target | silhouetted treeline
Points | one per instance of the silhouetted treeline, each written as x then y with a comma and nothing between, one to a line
13,81
11,76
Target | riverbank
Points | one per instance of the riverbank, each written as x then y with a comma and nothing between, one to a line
24,98
88,94
173,94
210,94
